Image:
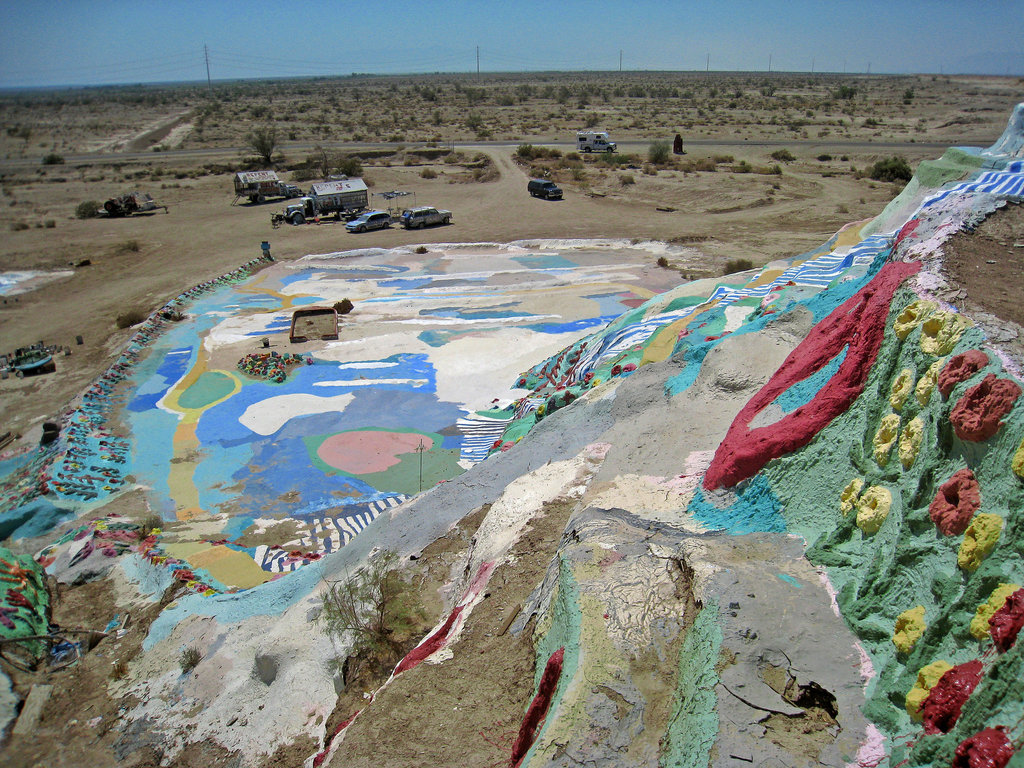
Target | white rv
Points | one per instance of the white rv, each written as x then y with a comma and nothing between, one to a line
594,141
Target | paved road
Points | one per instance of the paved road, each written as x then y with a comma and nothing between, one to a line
639,147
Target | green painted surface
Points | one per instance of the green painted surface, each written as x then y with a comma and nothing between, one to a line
210,387
692,729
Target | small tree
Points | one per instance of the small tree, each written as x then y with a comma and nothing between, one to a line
658,152
373,607
263,141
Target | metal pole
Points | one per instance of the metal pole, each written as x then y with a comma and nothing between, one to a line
206,54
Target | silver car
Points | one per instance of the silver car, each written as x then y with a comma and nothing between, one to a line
369,220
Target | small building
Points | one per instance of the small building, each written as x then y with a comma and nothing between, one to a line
256,182
341,195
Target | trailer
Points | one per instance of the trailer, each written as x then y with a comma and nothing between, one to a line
343,198
260,185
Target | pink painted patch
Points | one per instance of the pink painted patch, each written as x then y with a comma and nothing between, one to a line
361,453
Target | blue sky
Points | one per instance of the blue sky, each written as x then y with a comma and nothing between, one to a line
86,42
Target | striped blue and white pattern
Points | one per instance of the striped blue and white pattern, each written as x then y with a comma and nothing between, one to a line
478,435
327,534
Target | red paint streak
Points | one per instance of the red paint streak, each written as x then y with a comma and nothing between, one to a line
1005,624
907,230
859,323
538,708
955,502
439,639
319,758
431,645
977,414
960,368
990,748
941,709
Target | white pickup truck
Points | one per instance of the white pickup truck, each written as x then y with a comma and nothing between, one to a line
594,141
414,218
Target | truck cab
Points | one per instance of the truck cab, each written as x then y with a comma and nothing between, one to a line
594,141
300,212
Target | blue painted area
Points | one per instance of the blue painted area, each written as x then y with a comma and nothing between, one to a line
479,314
174,365
790,580
13,464
804,391
33,519
756,509
544,261
610,304
152,452
573,326
408,284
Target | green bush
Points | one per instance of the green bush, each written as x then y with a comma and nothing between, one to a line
737,265
53,159
783,156
659,151
19,226
428,173
130,318
189,659
626,179
894,169
88,209
824,158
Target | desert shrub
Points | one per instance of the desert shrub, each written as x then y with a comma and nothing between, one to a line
893,169
149,524
128,246
663,262
824,158
846,92
650,170
189,659
723,159
626,179
373,607
705,164
263,141
742,167
783,156
658,152
50,224
130,318
349,165
19,226
53,159
428,173
420,249
343,307
737,265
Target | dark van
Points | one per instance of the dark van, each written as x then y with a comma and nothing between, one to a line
546,189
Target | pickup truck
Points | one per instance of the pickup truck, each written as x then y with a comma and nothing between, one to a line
414,218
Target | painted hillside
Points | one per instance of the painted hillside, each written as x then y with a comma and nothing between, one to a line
773,519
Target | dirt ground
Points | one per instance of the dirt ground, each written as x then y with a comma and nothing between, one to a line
140,262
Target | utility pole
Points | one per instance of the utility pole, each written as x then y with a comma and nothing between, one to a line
620,60
478,62
206,54
769,63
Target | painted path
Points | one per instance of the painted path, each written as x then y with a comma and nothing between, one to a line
278,473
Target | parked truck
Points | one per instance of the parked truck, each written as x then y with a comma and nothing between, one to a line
342,198
594,141
259,185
